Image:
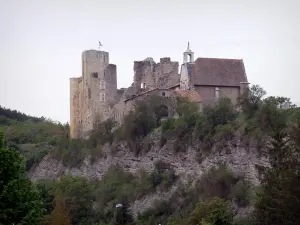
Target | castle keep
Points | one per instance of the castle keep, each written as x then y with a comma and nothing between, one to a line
95,97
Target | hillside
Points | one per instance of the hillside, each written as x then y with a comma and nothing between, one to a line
32,136
161,169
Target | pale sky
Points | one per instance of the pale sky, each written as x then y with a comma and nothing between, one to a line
41,42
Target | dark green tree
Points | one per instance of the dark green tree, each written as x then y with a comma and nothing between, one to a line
213,212
122,216
279,200
20,203
251,100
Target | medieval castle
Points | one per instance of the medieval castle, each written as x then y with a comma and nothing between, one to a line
95,96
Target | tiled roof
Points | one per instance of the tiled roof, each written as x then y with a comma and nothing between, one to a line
191,95
218,72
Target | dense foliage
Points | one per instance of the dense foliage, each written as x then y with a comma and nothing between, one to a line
20,203
271,125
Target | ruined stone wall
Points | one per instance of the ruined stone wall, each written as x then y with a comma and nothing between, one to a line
118,111
110,79
144,74
161,75
129,92
75,107
166,73
122,108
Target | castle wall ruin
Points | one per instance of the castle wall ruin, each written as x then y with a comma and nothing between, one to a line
94,96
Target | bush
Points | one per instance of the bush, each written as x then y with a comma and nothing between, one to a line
168,124
222,182
215,211
163,176
102,133
96,153
74,155
241,193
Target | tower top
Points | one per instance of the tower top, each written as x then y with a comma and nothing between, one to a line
188,55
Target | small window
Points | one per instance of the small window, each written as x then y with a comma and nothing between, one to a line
102,84
102,97
143,85
163,94
95,75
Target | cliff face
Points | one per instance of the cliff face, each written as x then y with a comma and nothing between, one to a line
239,158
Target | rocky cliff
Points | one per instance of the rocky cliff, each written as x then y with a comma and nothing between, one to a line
240,158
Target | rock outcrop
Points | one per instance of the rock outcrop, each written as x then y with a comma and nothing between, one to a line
240,159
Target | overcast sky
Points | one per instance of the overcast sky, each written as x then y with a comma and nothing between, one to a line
41,43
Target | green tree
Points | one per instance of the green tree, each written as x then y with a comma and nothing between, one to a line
122,216
20,203
60,214
278,202
78,197
251,100
213,212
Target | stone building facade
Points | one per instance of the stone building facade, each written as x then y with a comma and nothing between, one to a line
95,97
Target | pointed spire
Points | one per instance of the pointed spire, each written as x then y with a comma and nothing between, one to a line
188,48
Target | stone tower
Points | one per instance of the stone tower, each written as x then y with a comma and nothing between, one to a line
92,94
186,69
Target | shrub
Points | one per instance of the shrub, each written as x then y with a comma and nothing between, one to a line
74,155
222,182
215,211
241,193
102,133
96,153
168,124
163,176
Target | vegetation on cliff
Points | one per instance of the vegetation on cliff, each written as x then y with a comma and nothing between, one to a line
20,202
272,124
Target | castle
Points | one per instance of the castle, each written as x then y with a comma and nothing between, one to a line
94,96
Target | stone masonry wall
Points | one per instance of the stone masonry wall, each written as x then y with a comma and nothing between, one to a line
144,73
207,93
99,88
110,78
75,106
161,75
166,73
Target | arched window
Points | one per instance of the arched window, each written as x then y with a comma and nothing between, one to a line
102,97
102,84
